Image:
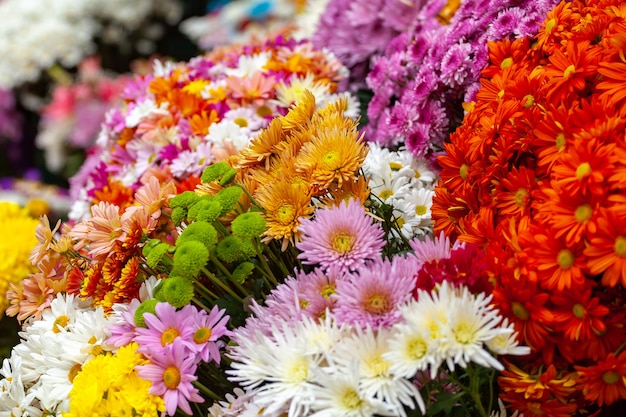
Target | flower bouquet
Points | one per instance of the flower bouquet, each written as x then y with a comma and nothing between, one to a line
534,176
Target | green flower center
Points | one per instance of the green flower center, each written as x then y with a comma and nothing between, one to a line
519,310
583,170
583,213
578,310
202,335
610,377
620,246
565,259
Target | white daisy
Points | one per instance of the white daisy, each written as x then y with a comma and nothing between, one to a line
422,201
406,219
387,189
15,399
367,348
246,117
144,109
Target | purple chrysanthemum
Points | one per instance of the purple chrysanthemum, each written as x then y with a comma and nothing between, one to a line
123,332
371,298
172,374
344,237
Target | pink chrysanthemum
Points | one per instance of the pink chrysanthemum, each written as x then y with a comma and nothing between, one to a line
207,329
172,374
433,249
371,298
164,329
343,236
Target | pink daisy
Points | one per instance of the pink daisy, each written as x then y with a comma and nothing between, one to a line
163,329
207,329
316,290
343,236
172,374
371,298
124,331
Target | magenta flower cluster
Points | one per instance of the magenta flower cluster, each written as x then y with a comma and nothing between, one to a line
431,68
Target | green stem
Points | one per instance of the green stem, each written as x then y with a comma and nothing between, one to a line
264,262
227,273
215,280
204,291
206,391
252,200
473,390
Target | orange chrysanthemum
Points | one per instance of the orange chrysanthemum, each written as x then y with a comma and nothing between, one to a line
607,248
605,382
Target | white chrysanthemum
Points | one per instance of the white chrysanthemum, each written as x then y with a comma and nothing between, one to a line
280,367
14,398
308,19
506,343
143,110
376,380
291,92
35,35
340,395
228,131
249,64
471,321
411,349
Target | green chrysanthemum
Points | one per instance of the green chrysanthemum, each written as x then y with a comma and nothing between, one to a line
207,209
231,249
155,255
242,272
189,258
217,172
248,225
199,231
148,306
228,197
177,291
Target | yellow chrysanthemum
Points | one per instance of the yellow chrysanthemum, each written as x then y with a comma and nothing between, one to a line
19,240
109,385
284,205
334,155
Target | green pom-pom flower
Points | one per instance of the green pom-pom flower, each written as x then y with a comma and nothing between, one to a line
207,209
199,231
156,254
177,291
216,172
189,258
148,306
178,215
150,244
228,198
184,200
248,225
231,249
228,177
242,272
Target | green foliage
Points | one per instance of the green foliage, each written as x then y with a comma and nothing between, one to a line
190,257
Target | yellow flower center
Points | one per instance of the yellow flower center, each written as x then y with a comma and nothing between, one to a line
560,141
395,166
342,242
59,323
285,213
171,377
550,24
202,335
264,111
506,62
377,366
500,93
416,348
351,400
583,170
578,310
521,197
241,122
569,70
583,213
464,170
620,246
298,371
519,310
376,304
565,259
421,210
385,194
74,370
327,291
400,222
168,336
610,377
528,101
463,333
331,159
417,174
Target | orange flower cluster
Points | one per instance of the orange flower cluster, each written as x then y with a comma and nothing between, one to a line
536,174
305,156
